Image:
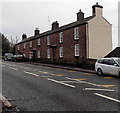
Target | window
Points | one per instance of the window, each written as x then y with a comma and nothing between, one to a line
38,54
100,61
38,41
61,52
48,40
106,61
30,44
76,33
61,37
18,47
112,62
48,53
24,55
24,45
77,50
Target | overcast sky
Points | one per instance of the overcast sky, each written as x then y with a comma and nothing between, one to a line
23,17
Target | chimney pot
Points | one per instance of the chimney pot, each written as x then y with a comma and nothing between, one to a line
80,15
24,36
97,9
55,25
36,32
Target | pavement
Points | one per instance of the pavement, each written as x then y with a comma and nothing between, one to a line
64,67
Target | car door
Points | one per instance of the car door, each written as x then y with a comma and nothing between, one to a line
113,67
105,66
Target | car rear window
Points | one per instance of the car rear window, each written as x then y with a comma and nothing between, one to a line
103,61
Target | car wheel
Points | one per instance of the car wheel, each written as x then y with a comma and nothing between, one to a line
99,72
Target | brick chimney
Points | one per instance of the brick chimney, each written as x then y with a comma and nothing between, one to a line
97,10
55,25
37,31
80,15
24,36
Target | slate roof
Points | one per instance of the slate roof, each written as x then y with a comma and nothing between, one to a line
73,24
114,53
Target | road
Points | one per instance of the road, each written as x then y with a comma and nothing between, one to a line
40,88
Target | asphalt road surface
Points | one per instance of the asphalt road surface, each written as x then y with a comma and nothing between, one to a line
40,88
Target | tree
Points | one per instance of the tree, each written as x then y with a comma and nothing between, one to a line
5,44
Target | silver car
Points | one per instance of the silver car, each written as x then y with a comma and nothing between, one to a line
8,56
108,66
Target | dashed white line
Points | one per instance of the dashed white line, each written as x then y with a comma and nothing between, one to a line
61,83
95,89
106,97
31,73
45,72
70,81
14,69
52,74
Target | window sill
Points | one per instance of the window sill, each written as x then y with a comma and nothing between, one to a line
76,39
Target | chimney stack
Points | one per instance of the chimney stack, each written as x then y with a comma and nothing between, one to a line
55,25
37,31
80,15
97,10
24,36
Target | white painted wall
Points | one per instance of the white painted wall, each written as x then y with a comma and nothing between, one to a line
99,36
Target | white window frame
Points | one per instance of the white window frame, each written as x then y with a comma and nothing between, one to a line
38,54
77,50
18,47
24,45
61,52
30,44
61,37
38,41
48,40
76,33
48,53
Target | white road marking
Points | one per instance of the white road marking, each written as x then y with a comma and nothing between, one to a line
14,69
90,83
31,73
45,72
5,101
70,81
27,68
93,84
52,74
95,89
61,83
106,97
40,71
